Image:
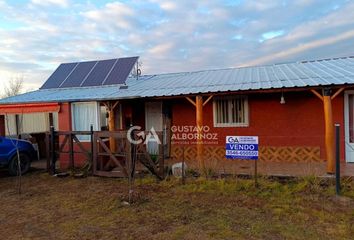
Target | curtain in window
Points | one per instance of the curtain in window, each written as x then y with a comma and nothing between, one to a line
230,111
10,125
84,115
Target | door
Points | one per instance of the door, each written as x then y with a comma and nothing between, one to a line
349,125
153,119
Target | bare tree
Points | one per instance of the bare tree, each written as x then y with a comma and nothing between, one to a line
14,87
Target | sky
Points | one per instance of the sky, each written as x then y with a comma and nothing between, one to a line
169,36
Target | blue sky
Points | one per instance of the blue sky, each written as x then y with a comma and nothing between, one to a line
169,36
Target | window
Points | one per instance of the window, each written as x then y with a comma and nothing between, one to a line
231,111
85,114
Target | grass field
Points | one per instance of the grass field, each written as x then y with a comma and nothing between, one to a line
92,208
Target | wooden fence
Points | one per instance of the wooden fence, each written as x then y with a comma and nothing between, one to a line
100,159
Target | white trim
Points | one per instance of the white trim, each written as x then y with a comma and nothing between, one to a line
246,109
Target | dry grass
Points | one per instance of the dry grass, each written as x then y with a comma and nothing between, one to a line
91,208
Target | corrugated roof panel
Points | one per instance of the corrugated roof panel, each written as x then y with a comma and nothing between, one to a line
300,74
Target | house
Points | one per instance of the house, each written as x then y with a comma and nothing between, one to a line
292,107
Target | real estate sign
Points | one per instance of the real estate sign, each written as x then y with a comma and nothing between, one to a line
242,147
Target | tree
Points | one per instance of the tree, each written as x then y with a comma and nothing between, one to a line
14,87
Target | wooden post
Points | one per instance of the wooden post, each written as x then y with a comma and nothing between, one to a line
329,126
111,123
329,129
53,152
111,127
199,104
161,156
71,152
199,123
92,146
47,149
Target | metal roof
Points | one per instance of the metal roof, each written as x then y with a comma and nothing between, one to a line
338,71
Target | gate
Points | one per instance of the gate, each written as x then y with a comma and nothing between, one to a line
124,159
100,159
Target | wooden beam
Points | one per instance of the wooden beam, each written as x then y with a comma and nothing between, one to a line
208,99
191,101
329,130
115,105
337,93
317,94
199,123
106,105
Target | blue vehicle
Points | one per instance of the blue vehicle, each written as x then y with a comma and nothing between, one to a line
8,154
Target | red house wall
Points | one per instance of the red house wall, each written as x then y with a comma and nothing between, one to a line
65,124
298,122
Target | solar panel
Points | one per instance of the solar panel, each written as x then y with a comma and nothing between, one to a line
120,71
59,75
92,73
78,75
101,69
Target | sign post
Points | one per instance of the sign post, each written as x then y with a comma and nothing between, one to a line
243,147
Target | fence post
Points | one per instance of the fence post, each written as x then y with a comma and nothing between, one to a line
53,153
337,126
71,151
47,148
91,131
162,156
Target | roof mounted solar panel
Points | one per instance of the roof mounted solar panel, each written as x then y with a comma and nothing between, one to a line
78,75
92,73
120,71
101,70
59,75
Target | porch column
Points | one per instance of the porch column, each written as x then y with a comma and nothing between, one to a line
329,129
329,125
199,104
111,127
199,124
111,123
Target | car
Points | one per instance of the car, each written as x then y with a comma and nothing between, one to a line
8,154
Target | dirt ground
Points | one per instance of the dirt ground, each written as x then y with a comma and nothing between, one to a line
92,208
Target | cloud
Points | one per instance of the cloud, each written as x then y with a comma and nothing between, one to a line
170,36
60,3
302,48
272,34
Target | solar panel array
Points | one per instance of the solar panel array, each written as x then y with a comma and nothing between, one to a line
92,73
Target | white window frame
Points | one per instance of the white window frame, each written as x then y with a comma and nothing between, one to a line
246,110
96,127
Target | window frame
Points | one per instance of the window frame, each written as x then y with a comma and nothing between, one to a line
229,98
